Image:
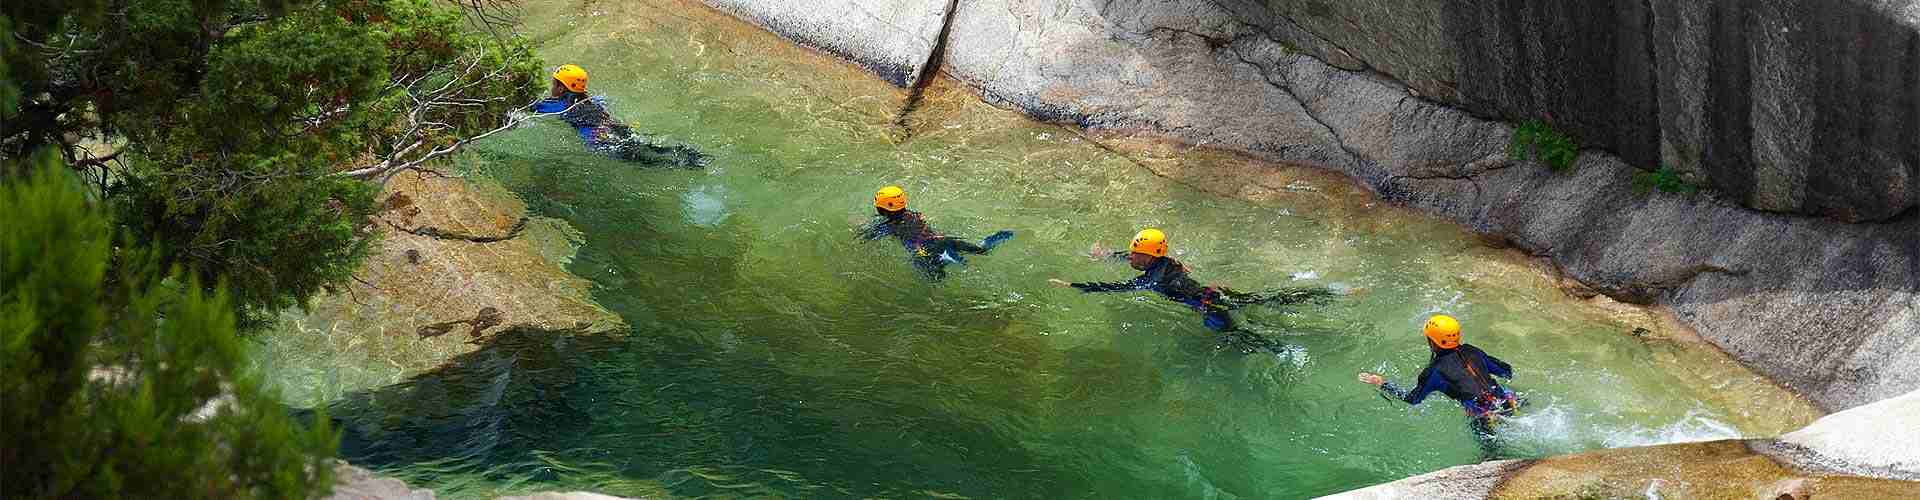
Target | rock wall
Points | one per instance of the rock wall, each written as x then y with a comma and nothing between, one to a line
891,38
1796,106
1826,308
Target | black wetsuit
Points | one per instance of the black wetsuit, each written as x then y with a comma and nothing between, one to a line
929,250
603,134
1170,278
1465,374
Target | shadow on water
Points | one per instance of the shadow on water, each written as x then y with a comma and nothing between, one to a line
638,403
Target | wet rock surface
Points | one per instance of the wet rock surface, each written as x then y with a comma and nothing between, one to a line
1823,307
1465,481
1713,469
459,262
1834,443
354,483
1865,452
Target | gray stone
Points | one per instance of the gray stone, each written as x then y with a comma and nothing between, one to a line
1788,105
354,483
1876,440
573,495
1472,481
891,38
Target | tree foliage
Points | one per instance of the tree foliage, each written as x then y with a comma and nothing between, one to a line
217,129
119,377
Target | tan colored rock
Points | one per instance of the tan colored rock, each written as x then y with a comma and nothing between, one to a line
1464,481
459,260
573,495
1881,439
354,483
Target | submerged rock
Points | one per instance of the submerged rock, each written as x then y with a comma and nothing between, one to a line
572,495
354,483
459,261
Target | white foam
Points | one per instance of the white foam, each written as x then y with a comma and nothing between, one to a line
705,206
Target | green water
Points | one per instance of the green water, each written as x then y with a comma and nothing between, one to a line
772,354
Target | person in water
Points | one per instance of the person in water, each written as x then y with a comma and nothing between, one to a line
1160,273
930,250
567,97
1462,372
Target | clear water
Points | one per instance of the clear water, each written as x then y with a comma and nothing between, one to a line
773,355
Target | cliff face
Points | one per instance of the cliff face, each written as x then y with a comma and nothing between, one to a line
1808,107
1403,97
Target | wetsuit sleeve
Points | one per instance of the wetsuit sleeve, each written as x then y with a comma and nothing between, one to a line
965,246
1430,380
549,105
1141,283
875,229
1495,366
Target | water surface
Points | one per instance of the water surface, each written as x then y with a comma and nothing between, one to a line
773,354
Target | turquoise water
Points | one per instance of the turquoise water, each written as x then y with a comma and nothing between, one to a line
773,354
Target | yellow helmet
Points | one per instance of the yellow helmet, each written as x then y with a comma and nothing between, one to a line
1443,330
1150,241
571,76
890,198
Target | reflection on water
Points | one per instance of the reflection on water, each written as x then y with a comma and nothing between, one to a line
772,354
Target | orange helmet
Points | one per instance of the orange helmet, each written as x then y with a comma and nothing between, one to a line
1150,241
890,198
571,76
1443,330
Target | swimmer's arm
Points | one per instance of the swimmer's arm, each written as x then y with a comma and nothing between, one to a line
1497,367
1430,380
549,106
874,229
1141,283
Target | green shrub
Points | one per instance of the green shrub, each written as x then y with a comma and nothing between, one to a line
1665,179
121,380
1534,139
233,114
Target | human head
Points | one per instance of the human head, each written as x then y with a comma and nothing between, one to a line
1147,246
569,78
1442,331
890,200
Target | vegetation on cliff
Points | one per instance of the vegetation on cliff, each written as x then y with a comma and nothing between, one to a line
121,375
233,136
174,172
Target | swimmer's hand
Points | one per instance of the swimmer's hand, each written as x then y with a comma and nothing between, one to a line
1059,282
1097,252
1371,379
